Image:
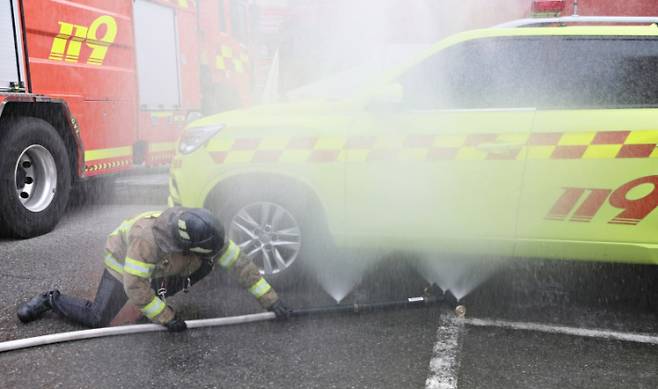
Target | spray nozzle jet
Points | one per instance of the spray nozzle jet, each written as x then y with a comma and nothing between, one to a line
439,294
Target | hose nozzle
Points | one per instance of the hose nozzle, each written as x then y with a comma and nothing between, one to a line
446,297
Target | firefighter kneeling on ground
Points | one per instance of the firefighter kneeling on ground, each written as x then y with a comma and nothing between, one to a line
154,256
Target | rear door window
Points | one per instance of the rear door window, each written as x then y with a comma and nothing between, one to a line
599,73
543,73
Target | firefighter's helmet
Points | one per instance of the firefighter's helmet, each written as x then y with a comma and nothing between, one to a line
198,231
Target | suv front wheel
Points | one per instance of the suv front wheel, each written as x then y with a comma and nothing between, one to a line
277,228
268,233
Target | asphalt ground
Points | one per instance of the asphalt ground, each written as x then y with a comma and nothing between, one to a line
418,348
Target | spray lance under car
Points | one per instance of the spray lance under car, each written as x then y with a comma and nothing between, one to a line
433,296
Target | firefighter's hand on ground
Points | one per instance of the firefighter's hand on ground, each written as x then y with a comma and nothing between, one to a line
176,324
281,311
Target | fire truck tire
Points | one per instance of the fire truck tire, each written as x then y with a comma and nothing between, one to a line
35,177
284,226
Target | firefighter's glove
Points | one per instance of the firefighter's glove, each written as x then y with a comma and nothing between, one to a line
281,311
176,325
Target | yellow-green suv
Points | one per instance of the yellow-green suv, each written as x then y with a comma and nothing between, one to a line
534,142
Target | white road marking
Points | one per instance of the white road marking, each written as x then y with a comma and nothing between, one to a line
444,365
564,330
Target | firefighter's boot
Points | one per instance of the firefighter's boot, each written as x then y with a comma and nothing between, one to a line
36,307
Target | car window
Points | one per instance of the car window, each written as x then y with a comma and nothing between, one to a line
544,72
599,73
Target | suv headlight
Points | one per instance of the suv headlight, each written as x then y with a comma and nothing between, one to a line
195,137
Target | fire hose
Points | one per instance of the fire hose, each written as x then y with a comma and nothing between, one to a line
412,302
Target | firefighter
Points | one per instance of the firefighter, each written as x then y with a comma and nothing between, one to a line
151,257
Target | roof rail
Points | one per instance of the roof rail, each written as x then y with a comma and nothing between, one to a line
580,19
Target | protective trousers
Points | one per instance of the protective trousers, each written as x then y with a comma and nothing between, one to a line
110,298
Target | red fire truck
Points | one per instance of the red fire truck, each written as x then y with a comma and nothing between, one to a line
94,87
594,8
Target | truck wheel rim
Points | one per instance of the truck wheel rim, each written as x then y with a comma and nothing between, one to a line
268,234
35,175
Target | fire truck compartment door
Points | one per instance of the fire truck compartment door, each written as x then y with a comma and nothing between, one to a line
9,46
157,55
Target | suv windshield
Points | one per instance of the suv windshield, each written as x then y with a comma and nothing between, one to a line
346,83
544,72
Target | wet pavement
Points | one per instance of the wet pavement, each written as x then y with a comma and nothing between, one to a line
401,349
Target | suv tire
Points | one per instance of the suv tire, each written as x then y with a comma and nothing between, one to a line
288,211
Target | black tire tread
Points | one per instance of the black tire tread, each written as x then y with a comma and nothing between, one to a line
15,135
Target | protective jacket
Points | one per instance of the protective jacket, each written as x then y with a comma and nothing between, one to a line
141,249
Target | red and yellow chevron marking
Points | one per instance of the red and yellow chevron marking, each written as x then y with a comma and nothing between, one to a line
107,165
420,147
110,160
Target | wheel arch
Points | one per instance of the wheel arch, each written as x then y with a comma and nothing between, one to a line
259,181
58,115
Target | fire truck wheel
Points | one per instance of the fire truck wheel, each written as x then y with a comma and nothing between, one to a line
35,175
277,229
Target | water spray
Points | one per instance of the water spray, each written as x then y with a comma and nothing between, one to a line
442,299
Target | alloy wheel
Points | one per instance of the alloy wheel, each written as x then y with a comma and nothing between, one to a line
268,234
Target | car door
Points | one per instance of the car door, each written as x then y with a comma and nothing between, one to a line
591,183
443,168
